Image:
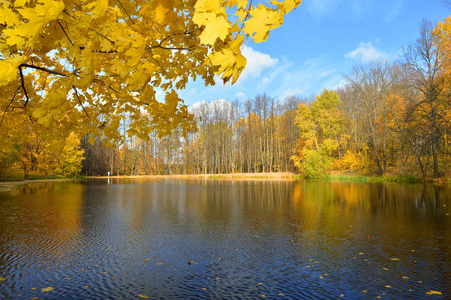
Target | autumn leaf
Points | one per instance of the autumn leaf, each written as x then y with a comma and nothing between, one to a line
47,289
2,279
434,293
143,296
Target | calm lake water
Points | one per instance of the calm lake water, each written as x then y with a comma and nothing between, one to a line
171,239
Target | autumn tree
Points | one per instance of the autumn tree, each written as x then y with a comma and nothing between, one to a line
426,76
81,65
320,126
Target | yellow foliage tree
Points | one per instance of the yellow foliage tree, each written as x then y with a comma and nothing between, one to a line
84,65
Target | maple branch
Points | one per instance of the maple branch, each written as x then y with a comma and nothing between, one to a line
23,86
7,107
43,69
126,12
171,48
79,101
65,33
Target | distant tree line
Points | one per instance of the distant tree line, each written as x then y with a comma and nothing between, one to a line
257,135
389,118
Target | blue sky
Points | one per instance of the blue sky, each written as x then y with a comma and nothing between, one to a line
319,42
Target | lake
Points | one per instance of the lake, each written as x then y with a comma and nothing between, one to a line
225,239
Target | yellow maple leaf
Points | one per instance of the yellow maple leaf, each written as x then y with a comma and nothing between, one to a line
256,26
98,8
9,68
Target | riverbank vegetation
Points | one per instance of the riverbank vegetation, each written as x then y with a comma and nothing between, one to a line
390,119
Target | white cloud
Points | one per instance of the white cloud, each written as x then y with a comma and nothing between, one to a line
289,92
367,53
257,62
241,95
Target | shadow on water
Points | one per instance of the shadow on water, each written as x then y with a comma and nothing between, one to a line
213,239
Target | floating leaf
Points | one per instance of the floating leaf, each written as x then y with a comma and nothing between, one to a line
86,286
146,259
388,286
143,296
361,253
394,259
2,279
159,263
190,262
47,289
405,277
321,277
434,293
204,289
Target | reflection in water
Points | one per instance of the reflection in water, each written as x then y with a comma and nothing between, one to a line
243,239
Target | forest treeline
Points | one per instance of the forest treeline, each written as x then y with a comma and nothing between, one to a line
388,119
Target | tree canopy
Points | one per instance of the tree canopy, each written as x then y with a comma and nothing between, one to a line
85,65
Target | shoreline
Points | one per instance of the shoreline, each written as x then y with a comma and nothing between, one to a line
7,186
283,175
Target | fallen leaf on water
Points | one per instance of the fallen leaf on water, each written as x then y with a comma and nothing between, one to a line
341,295
321,277
420,281
146,259
364,291
86,286
316,262
217,278
204,289
405,277
361,253
33,288
388,286
68,278
263,296
113,277
143,296
2,279
280,294
260,283
47,289
190,262
394,259
159,263
385,269
35,298
434,293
